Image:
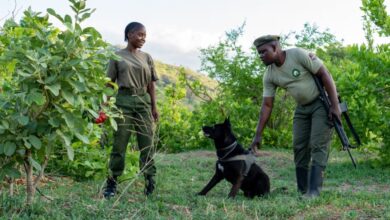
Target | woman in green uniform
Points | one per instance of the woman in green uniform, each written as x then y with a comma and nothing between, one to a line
135,76
293,70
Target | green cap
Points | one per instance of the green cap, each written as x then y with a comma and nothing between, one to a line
265,39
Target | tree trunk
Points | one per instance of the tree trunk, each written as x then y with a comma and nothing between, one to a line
30,188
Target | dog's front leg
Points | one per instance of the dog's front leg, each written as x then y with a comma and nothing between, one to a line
216,179
236,186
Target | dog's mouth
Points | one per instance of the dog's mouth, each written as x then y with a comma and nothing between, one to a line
207,131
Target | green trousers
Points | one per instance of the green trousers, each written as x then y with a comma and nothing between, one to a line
137,119
312,134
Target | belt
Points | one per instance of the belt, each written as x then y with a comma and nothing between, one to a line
132,91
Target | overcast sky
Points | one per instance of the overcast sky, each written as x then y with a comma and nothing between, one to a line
177,29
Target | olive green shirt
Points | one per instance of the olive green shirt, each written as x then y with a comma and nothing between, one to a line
133,70
295,75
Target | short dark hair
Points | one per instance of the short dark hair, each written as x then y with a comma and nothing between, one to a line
133,26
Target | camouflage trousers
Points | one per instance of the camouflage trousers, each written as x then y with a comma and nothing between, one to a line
312,134
137,119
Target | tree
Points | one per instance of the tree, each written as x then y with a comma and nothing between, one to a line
52,84
311,38
375,12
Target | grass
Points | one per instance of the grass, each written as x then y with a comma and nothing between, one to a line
348,193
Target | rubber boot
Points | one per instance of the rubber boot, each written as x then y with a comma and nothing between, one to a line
315,183
149,185
110,189
302,179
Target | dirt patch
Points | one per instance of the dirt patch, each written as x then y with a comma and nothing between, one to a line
202,153
360,186
43,181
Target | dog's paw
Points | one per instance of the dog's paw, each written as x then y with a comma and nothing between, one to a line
201,194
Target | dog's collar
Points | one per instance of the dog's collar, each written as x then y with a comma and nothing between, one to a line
230,148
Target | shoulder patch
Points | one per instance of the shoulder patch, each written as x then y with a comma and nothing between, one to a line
312,56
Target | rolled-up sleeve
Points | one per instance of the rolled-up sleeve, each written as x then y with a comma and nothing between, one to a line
112,71
269,88
310,62
152,68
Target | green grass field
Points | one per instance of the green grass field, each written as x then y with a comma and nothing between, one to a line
348,193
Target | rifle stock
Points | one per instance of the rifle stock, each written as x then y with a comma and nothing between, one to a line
337,124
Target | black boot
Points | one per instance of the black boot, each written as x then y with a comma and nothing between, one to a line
315,183
149,185
110,190
302,180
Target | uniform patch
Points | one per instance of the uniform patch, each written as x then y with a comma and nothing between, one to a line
296,72
312,56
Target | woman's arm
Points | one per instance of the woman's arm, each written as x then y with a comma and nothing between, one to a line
152,93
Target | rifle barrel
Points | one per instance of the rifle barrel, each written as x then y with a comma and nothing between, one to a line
337,124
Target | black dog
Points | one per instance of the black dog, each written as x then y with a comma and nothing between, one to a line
235,164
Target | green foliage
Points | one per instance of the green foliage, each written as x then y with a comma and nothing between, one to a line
363,78
347,193
91,162
240,86
312,38
375,12
238,96
361,75
176,124
53,82
235,70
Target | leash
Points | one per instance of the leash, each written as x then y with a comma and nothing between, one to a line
232,146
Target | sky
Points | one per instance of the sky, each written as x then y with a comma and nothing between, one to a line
178,29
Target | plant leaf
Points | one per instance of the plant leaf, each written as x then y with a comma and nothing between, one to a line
83,138
68,96
55,122
35,164
113,123
9,148
23,120
34,140
52,12
70,152
12,172
64,137
36,97
55,88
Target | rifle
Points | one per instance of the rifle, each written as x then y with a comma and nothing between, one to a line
337,124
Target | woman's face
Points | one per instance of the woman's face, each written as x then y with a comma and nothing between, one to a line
267,54
137,38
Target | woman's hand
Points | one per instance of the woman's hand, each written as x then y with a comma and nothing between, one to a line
256,143
155,114
335,111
